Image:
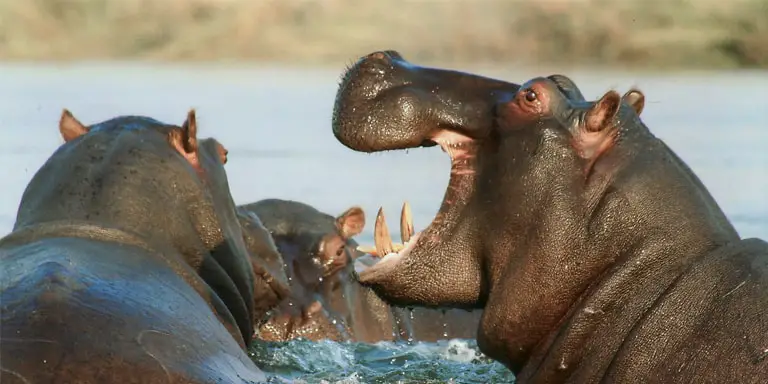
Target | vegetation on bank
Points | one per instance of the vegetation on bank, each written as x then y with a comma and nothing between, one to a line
654,34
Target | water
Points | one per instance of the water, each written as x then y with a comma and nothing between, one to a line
276,125
447,361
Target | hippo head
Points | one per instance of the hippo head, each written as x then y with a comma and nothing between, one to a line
316,249
162,184
548,194
386,103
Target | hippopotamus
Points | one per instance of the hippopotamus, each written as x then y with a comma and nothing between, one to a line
127,263
315,247
326,302
596,253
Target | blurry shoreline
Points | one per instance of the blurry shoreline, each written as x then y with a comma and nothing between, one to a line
630,34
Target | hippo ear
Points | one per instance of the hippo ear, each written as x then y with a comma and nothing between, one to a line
600,115
635,99
351,222
189,132
184,140
70,127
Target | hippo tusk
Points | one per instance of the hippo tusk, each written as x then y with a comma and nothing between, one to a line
406,223
381,237
382,240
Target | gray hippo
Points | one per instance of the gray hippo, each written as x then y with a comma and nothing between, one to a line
127,263
326,301
596,253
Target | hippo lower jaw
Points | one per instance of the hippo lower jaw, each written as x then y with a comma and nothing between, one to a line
371,268
387,257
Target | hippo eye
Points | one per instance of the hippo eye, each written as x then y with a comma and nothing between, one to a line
531,96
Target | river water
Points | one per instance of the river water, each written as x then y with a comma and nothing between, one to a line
276,124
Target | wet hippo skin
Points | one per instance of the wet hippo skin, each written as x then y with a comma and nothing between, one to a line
126,263
326,301
595,251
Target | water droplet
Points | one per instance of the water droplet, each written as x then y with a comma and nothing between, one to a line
320,279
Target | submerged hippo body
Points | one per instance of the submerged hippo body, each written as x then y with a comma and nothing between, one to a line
123,266
327,302
596,253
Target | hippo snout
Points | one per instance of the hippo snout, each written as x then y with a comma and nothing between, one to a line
376,73
386,103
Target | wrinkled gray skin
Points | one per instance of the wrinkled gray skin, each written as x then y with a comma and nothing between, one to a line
308,239
126,263
596,252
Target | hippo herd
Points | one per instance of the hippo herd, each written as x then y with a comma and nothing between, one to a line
574,245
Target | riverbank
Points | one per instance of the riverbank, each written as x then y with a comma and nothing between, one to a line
631,34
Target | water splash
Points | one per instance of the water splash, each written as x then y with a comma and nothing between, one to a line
445,323
402,325
447,361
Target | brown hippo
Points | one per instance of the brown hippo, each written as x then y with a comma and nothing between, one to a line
127,264
596,252
326,301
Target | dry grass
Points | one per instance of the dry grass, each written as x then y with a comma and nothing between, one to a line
629,33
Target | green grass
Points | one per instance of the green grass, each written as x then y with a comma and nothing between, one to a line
654,34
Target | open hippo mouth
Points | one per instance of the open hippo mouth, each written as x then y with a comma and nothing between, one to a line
386,103
385,256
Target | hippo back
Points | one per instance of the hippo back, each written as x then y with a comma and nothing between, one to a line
90,311
123,259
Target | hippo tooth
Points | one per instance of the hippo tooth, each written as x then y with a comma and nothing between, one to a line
406,223
381,237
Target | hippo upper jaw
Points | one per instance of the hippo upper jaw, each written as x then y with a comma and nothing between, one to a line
386,103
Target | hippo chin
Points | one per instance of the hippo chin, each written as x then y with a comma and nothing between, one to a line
596,253
127,263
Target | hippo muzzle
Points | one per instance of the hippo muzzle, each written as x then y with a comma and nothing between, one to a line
385,102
